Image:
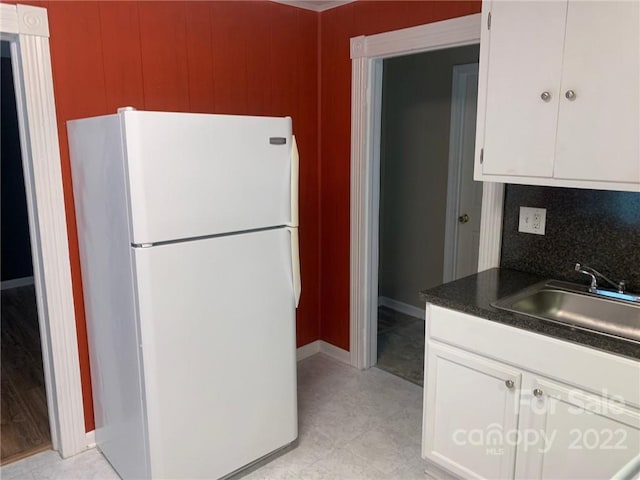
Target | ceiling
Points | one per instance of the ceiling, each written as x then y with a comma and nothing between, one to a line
315,5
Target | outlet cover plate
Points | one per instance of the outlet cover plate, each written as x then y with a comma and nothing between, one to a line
532,220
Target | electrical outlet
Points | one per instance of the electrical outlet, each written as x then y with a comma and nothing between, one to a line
532,220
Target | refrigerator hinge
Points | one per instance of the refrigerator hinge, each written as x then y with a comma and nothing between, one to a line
489,21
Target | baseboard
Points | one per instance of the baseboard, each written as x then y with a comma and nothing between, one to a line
16,282
308,350
402,307
335,352
436,472
91,439
320,346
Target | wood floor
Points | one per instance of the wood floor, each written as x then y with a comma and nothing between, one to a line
25,423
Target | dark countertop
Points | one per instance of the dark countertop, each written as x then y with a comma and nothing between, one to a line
475,293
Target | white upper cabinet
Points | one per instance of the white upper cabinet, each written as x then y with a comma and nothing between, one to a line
524,66
559,94
599,129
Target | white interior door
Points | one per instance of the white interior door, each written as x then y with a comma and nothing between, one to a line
193,175
516,81
464,195
218,342
602,121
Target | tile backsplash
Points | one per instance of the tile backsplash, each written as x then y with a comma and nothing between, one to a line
598,228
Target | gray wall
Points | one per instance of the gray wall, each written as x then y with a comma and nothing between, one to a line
414,153
596,227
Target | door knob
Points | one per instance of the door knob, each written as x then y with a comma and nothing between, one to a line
464,218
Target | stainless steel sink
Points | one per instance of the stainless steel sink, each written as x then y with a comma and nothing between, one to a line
571,304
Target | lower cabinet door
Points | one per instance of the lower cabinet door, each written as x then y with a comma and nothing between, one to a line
567,433
470,413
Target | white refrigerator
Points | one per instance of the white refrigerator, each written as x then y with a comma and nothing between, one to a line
187,228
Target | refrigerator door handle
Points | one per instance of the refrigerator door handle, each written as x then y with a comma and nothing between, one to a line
295,167
295,264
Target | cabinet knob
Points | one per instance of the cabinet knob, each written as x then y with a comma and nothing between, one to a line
509,384
545,96
537,392
571,95
464,218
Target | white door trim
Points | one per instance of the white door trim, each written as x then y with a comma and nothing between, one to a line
27,29
367,53
454,180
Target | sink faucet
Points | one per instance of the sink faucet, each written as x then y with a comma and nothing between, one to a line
594,274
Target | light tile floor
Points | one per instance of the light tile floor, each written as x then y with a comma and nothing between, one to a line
401,345
353,425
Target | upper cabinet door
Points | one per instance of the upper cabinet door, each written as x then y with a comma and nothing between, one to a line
599,125
524,75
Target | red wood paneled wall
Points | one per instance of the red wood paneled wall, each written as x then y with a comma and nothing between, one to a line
258,58
337,26
237,57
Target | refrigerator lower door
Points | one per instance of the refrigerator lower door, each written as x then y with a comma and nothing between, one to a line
217,321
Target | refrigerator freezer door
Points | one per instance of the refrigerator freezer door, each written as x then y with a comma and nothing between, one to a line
194,175
218,344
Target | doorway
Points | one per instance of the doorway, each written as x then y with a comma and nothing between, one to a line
367,55
25,419
429,207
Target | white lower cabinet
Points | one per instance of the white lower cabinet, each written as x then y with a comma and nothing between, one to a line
470,403
520,414
568,433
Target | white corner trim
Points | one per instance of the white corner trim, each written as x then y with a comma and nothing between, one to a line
365,52
402,307
357,47
47,222
91,439
16,282
32,21
320,346
491,225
